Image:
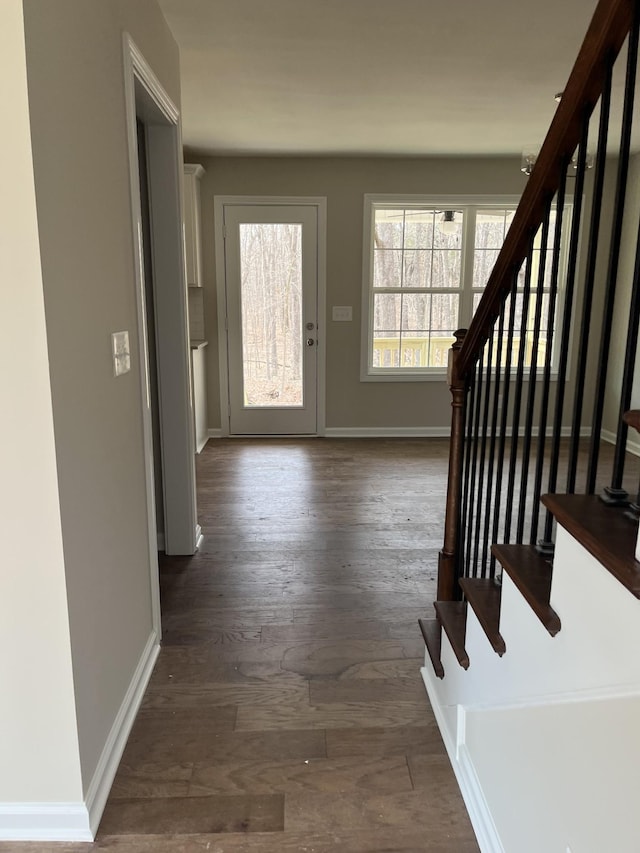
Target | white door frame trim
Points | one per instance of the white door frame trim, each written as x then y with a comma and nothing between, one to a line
320,203
139,74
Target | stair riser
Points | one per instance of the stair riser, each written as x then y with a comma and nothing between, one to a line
591,652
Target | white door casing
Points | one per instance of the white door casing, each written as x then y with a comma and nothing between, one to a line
270,265
147,100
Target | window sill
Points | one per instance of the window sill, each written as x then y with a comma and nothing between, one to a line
440,376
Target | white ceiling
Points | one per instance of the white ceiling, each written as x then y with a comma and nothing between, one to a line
372,77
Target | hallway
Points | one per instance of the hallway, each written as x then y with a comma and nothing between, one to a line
286,711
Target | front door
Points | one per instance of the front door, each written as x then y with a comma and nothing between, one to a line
271,280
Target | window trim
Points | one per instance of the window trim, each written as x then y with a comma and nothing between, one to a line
373,201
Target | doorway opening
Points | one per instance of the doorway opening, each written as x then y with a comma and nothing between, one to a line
155,159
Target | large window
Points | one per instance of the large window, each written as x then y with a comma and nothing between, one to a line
426,264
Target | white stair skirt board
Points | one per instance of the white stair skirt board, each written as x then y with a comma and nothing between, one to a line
114,747
590,665
79,821
452,730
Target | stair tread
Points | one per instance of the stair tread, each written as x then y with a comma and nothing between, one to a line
605,531
531,573
432,633
452,615
483,595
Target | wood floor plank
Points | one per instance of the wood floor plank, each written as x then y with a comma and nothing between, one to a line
330,629
285,691
151,780
186,815
356,715
338,776
324,691
380,611
444,812
326,656
411,840
232,671
231,746
429,771
386,741
383,669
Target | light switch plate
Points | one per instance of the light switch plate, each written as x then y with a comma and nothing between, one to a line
342,313
121,353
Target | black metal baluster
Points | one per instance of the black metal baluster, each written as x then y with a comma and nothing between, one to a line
471,564
482,501
492,445
547,544
461,551
589,283
611,494
546,383
533,376
517,397
505,407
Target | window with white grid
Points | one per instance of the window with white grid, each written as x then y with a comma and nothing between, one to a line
426,263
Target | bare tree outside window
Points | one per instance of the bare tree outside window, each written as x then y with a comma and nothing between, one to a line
271,306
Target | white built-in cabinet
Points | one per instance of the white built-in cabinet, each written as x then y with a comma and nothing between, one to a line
199,379
193,265
192,224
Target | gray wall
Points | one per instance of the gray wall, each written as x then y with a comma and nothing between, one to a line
77,108
39,755
344,181
621,313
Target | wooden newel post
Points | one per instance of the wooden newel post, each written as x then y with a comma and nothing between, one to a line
447,582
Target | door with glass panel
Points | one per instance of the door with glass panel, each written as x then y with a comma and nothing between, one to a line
271,272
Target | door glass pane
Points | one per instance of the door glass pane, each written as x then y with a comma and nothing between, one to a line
271,306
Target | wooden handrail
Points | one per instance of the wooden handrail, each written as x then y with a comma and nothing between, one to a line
609,27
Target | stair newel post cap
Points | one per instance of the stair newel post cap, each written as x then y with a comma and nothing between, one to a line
456,346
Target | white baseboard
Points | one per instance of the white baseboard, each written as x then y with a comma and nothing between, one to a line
45,822
633,446
424,432
387,432
214,433
470,788
202,444
98,791
199,536
79,821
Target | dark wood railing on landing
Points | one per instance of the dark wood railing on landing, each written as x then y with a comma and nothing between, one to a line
531,376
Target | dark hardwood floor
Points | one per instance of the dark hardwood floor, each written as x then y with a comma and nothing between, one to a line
286,711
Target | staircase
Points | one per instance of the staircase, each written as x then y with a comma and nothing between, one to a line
532,664
535,684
